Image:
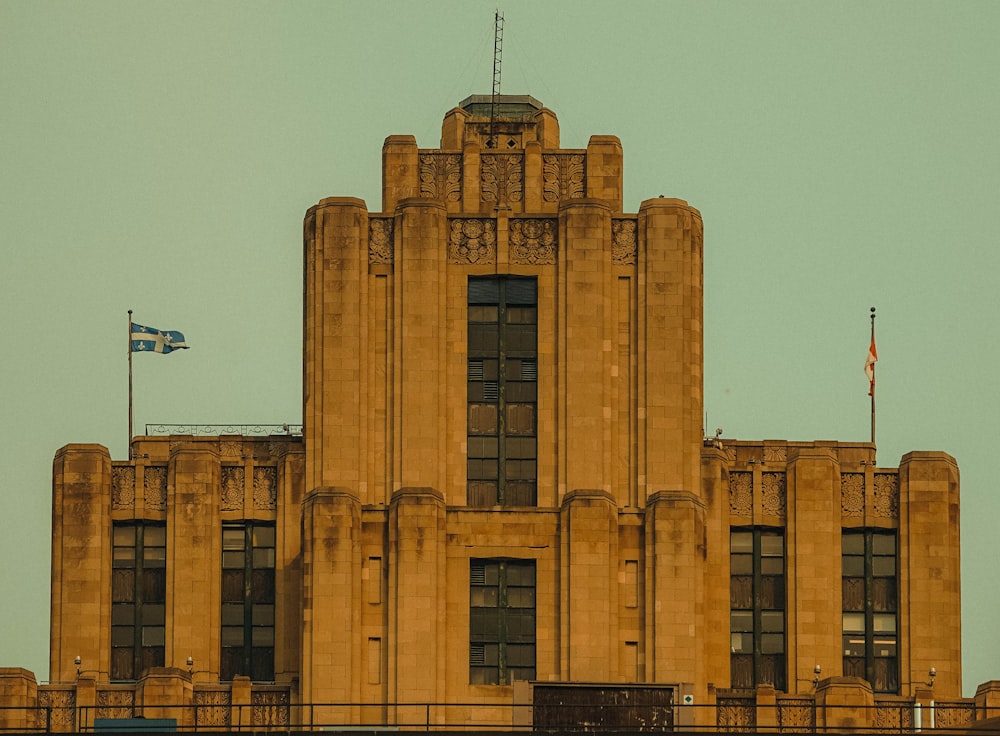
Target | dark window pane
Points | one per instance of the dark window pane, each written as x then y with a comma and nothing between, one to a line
154,586
853,567
741,592
263,536
741,564
482,493
263,586
122,586
123,636
741,671
122,663
853,543
854,594
233,538
520,493
884,544
883,567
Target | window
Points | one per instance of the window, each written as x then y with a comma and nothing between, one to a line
248,601
757,607
503,388
501,621
138,598
871,602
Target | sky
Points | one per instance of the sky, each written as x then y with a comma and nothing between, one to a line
160,157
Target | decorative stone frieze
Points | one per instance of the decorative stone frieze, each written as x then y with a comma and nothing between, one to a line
380,250
155,487
265,488
533,241
773,493
852,494
118,703
122,487
230,448
886,499
441,176
624,247
563,176
502,177
473,241
741,493
233,483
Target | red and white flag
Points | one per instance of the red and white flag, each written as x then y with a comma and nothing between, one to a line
870,367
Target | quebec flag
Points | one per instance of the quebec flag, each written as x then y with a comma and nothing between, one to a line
152,340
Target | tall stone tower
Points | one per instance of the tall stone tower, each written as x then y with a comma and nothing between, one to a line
502,364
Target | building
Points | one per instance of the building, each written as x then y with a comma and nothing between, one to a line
502,479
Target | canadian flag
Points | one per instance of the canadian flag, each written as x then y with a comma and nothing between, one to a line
870,367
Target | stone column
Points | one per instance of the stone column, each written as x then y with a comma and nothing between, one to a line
583,351
844,704
930,571
194,558
675,573
604,170
400,170
331,600
589,553
417,601
420,394
335,342
81,561
670,346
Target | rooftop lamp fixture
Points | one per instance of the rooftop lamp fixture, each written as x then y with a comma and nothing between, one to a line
932,674
816,672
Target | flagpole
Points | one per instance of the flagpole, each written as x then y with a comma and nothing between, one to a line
873,380
130,384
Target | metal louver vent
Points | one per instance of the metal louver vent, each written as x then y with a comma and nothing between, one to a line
529,370
477,573
491,391
477,654
475,370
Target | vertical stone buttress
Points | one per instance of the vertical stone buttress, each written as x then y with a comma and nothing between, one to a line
421,391
930,571
331,600
81,561
194,558
670,301
335,415
813,565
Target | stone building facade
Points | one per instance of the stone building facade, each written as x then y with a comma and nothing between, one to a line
502,479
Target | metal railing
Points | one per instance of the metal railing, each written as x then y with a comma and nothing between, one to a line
212,430
271,711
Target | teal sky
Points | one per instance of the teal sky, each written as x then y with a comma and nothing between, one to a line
161,156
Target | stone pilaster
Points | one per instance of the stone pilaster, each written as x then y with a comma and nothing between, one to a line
335,342
670,346
331,557
420,342
417,585
194,557
930,571
81,561
589,554
583,351
675,565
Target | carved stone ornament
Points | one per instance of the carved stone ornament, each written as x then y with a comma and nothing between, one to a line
563,176
115,703
796,715
230,448
893,717
380,240
624,247
270,707
473,241
887,495
61,707
773,493
155,487
741,493
852,494
441,176
233,483
502,177
265,488
533,241
775,454
122,487
736,714
213,707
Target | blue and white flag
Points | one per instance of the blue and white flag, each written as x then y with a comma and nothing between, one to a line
152,340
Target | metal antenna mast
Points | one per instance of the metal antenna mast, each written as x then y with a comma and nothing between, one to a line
497,57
